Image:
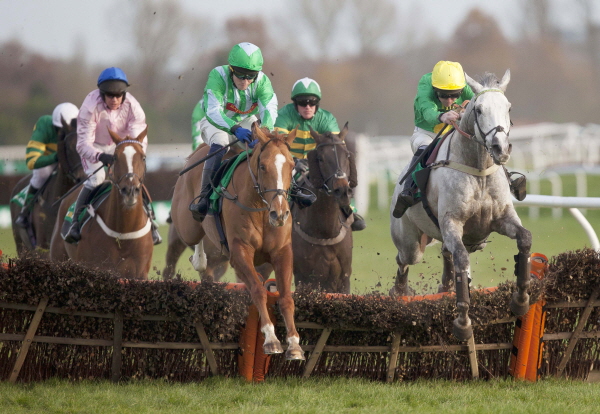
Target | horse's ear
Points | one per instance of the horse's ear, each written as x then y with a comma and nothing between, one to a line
291,136
315,135
259,133
142,135
504,82
116,139
475,86
344,132
64,123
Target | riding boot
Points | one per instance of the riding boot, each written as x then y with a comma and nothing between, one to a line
156,239
406,198
359,223
211,166
300,198
22,219
518,186
74,234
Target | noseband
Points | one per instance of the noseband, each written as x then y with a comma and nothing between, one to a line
129,174
338,174
257,186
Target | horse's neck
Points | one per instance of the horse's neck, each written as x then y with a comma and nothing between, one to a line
119,218
322,218
465,150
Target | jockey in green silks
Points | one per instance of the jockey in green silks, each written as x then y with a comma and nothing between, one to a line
305,112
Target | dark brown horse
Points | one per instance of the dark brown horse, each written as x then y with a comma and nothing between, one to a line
257,226
322,238
43,213
118,237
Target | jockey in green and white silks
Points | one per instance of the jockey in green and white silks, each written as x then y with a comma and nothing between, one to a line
40,155
305,112
235,96
437,93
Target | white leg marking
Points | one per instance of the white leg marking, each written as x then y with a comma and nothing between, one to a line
269,332
198,259
293,340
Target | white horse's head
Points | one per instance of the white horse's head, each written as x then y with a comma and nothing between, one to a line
488,115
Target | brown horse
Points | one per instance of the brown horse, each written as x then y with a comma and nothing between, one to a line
44,211
255,222
322,238
118,236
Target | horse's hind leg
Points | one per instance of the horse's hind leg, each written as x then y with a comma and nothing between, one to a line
175,249
400,287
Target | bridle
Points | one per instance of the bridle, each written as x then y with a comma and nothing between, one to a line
338,174
128,174
484,135
257,187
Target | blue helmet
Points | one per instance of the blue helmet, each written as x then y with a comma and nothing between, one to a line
113,80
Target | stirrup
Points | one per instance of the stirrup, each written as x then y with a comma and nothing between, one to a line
74,234
22,221
200,209
359,223
403,202
518,187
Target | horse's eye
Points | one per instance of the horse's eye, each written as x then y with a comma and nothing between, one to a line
262,167
478,110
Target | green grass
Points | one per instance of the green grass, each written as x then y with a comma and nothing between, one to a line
374,264
223,395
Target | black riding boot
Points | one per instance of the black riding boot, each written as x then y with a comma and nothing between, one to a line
406,198
518,186
359,222
22,219
74,234
300,198
211,166
156,239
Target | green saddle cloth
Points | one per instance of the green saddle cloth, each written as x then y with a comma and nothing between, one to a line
226,176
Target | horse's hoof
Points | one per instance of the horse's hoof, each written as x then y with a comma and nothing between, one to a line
272,348
294,355
462,332
519,308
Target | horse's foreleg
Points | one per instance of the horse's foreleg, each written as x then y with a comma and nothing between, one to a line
282,264
448,273
452,234
512,228
198,259
519,303
242,260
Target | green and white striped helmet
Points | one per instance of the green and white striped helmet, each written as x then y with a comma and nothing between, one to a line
306,86
246,55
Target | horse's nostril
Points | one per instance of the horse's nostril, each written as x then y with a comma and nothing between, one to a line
273,215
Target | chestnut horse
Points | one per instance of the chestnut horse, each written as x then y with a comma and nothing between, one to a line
256,221
43,213
118,235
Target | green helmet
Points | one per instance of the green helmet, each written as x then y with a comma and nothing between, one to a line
306,86
246,55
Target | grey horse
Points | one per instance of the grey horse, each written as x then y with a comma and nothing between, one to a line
468,194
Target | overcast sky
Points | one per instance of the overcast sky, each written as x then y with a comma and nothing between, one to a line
58,27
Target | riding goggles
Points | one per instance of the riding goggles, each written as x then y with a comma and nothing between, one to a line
453,95
307,102
251,75
114,95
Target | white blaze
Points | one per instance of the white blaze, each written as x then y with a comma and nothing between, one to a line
129,153
279,163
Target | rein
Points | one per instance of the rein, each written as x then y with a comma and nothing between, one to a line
338,174
261,193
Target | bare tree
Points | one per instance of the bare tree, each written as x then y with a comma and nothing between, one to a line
373,21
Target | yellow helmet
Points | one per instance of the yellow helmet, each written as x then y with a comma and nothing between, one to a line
448,76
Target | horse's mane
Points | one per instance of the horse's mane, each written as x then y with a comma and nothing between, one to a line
489,80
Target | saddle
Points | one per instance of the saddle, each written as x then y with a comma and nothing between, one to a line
96,198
